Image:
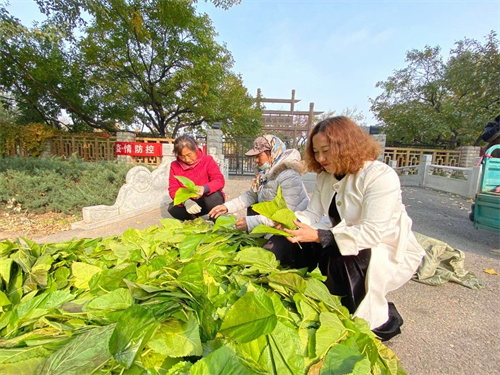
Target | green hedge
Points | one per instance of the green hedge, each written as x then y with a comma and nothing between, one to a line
54,185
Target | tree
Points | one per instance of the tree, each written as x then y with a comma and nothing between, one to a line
353,113
148,63
433,102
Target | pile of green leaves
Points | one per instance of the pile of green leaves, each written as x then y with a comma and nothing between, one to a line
187,298
277,211
184,193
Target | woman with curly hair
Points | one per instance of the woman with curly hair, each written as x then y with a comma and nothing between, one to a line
356,227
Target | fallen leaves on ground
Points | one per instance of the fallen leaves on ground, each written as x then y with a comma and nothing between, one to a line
491,271
30,225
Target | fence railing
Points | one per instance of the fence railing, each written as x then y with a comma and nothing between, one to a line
88,148
405,157
97,147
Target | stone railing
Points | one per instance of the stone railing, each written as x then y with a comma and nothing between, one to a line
457,180
405,157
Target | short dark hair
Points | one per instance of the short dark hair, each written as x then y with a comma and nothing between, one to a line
185,141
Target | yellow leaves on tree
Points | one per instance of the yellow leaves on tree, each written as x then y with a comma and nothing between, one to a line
29,139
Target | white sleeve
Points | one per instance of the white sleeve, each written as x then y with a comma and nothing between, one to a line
380,200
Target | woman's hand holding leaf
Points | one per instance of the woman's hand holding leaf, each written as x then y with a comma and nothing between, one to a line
305,233
189,191
217,211
200,191
241,224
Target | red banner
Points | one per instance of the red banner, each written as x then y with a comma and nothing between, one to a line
138,149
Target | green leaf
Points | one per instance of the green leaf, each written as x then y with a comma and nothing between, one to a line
22,361
342,359
264,229
277,211
82,355
191,278
292,281
279,199
135,327
330,331
176,338
82,273
4,300
112,278
223,361
261,259
188,246
118,299
168,223
189,191
317,290
266,208
5,267
224,222
186,182
251,316
285,351
61,276
286,217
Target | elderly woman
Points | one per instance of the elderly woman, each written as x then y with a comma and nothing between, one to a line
366,247
203,171
277,167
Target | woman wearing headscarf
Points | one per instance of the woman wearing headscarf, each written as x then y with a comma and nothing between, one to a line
277,167
200,168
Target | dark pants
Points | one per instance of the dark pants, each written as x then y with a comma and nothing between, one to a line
207,202
345,275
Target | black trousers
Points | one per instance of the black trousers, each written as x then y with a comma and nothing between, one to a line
345,275
206,202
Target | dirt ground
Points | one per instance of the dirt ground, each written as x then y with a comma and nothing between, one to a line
30,225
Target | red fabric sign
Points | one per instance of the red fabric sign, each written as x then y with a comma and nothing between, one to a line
138,149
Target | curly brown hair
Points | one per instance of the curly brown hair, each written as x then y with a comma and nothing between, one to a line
350,146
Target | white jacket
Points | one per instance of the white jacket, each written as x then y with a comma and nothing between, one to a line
372,216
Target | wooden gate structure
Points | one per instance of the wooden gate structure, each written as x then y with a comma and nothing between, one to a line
289,124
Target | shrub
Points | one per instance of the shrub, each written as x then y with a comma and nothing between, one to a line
53,185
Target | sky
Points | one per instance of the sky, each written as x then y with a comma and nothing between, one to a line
332,52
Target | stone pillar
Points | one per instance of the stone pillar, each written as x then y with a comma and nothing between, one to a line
46,154
214,148
381,139
167,153
125,137
470,156
425,163
214,142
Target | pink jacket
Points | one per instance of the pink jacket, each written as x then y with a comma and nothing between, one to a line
205,173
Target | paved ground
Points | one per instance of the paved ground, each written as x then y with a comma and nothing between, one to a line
448,329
